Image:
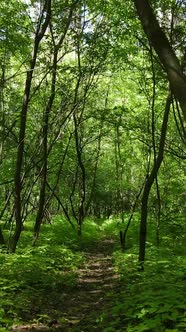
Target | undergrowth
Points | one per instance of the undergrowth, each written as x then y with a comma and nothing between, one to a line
153,300
34,279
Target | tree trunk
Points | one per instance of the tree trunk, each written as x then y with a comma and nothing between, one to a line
2,111
92,190
41,208
55,186
2,240
149,183
20,152
6,205
164,50
47,111
123,234
81,212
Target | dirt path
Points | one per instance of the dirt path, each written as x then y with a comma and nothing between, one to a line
84,306
91,298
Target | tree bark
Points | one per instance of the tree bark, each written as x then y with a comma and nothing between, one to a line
164,50
149,183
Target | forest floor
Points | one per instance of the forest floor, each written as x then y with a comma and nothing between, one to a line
68,284
83,307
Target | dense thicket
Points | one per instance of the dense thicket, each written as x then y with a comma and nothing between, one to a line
87,115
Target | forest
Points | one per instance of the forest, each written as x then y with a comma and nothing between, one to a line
92,165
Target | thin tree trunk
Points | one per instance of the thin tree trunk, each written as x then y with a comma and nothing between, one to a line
97,157
61,204
164,50
2,112
41,209
40,212
2,240
154,142
6,205
2,85
59,174
149,183
123,234
92,190
72,194
20,152
117,168
83,177
159,213
79,216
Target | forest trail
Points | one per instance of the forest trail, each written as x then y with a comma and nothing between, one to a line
96,281
83,306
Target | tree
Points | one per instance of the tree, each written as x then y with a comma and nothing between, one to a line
42,25
164,50
149,182
88,132
56,48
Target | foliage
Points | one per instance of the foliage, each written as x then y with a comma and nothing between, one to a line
87,97
153,300
34,278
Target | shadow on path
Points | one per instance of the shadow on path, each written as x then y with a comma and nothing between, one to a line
84,306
